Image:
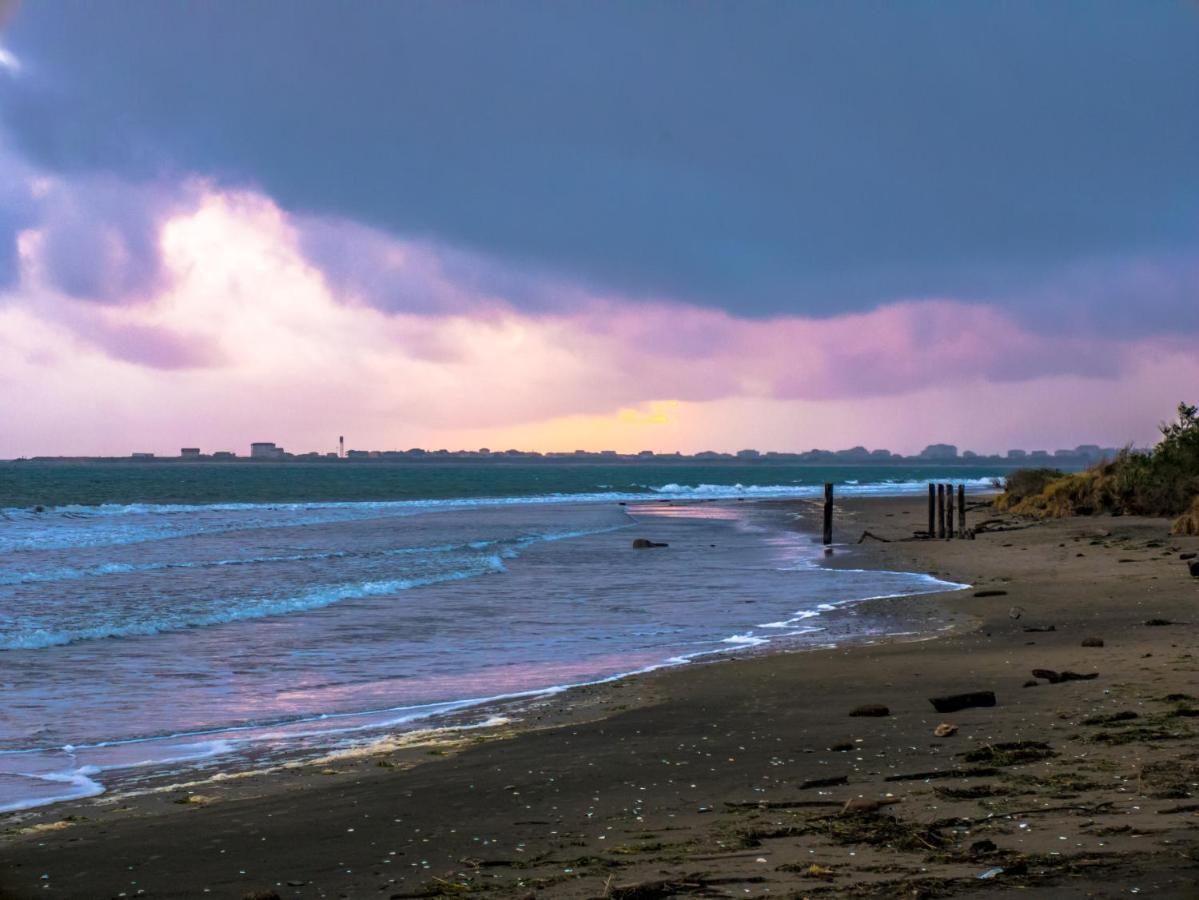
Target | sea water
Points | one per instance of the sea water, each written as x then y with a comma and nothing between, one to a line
141,638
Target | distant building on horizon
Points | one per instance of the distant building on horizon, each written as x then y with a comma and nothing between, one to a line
939,451
265,450
189,452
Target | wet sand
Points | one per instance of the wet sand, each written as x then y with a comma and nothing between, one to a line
730,778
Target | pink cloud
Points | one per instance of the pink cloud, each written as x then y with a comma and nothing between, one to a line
405,342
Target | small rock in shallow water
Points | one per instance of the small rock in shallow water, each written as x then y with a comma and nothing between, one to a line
643,544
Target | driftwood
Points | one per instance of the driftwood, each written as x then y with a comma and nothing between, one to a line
780,804
976,772
955,702
874,537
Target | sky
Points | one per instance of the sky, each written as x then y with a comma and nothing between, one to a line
618,225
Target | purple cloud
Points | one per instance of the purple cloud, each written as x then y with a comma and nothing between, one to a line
100,237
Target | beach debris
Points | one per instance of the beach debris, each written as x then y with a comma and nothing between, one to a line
815,870
954,702
873,710
970,772
194,799
1009,753
945,730
1032,629
1126,716
261,895
1156,623
983,847
874,537
1032,682
780,804
864,805
990,873
991,592
843,747
688,884
1092,642
1015,612
825,782
1058,677
645,544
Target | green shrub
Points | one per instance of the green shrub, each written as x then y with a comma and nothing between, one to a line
1024,483
1163,481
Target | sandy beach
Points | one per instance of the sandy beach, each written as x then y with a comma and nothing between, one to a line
732,778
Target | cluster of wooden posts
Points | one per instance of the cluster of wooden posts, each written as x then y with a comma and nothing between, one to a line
941,521
940,511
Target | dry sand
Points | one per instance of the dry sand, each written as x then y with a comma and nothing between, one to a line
692,781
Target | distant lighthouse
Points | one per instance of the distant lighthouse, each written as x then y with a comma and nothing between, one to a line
341,447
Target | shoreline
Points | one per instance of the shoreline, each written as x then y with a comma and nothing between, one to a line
240,749
600,739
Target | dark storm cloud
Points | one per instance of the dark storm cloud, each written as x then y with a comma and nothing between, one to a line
806,158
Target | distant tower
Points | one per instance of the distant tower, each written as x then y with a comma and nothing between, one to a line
341,446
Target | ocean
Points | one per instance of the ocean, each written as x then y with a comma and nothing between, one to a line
176,620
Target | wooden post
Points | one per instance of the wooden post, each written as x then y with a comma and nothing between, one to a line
940,510
828,513
932,510
949,532
962,509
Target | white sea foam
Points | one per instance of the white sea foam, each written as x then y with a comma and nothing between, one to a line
117,524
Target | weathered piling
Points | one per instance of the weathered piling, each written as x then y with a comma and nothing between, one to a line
949,532
940,510
932,509
828,513
962,509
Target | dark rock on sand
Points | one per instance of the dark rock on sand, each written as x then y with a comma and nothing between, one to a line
876,710
1190,555
1092,642
1057,677
990,593
643,544
954,702
1193,565
1153,623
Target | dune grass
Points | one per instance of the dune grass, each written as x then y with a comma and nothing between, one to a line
1163,481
